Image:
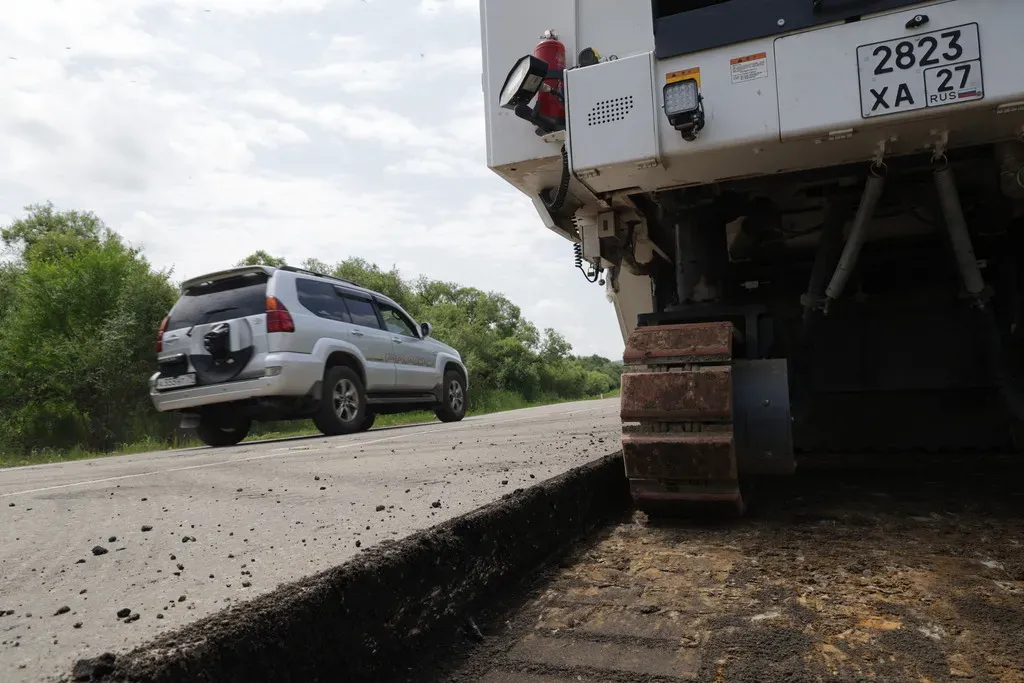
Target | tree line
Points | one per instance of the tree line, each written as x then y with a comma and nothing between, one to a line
79,310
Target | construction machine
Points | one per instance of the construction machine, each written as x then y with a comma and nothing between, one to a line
807,214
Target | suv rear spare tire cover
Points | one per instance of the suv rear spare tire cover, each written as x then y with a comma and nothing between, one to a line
223,364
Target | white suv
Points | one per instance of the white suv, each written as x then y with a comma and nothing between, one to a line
263,343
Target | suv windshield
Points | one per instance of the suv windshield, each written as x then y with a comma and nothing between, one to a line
219,300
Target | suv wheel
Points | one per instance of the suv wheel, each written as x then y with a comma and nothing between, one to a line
343,406
216,430
453,398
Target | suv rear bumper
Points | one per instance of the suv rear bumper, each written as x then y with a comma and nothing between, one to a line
299,373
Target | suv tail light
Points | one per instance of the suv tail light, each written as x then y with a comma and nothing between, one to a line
160,335
278,317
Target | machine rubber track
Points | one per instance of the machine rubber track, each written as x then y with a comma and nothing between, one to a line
678,441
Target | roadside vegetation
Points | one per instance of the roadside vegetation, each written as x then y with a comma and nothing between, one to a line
79,309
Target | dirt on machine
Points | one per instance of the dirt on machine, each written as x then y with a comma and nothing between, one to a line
808,216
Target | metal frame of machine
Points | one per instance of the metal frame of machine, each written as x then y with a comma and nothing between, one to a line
752,182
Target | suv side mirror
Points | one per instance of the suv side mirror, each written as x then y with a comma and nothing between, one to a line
425,329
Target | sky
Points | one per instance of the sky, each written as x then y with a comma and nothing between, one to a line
203,130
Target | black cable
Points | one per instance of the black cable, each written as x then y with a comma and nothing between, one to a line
553,204
577,249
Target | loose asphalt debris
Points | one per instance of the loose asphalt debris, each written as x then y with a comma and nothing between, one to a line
449,572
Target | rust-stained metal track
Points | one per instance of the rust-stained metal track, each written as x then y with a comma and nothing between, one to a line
677,390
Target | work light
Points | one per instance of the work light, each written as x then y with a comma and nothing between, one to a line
683,107
523,82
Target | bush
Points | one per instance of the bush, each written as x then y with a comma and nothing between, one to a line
76,336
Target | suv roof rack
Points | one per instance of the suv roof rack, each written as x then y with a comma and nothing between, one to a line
306,271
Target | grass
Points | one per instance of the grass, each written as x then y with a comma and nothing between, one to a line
490,402
48,455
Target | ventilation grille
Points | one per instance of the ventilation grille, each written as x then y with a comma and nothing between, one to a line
610,111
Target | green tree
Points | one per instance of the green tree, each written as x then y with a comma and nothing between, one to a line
555,347
262,258
612,369
59,230
369,275
76,346
316,265
9,276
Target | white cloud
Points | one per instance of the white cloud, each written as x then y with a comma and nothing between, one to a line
256,7
218,68
357,71
359,122
349,45
436,164
203,136
440,6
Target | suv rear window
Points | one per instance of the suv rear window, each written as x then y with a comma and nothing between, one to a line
220,300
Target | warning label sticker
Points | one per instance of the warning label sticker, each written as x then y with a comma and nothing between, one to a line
676,76
749,68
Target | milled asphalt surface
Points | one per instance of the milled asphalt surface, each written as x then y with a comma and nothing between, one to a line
258,514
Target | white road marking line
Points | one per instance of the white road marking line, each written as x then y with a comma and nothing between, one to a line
276,453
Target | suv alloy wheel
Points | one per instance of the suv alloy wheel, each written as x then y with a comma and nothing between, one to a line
453,398
342,403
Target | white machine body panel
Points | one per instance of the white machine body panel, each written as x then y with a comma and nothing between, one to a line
788,102
966,59
511,30
613,122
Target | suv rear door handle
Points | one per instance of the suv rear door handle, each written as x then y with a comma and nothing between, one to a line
357,333
397,340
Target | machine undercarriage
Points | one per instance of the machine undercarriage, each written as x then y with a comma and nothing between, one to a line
807,214
853,310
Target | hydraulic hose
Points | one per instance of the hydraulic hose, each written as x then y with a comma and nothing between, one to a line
974,285
825,257
858,233
956,227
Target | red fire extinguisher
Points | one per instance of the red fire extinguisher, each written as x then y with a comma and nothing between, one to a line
552,51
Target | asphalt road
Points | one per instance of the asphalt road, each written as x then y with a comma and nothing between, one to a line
201,528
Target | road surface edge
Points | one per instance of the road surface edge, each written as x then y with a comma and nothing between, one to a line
373,617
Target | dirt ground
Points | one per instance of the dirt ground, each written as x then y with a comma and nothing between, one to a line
833,576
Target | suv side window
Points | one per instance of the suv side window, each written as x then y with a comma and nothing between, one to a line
362,311
321,299
395,321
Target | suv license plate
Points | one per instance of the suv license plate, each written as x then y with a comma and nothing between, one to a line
176,382
932,69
